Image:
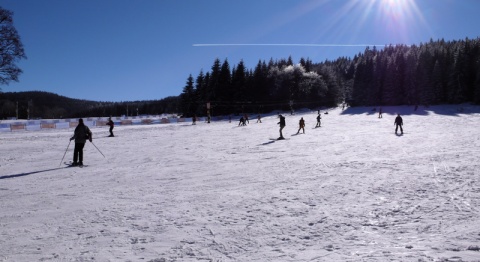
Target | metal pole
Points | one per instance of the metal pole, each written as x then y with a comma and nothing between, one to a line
65,153
97,149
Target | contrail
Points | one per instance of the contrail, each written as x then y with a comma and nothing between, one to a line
311,45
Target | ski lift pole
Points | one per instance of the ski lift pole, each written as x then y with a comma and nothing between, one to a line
65,152
97,149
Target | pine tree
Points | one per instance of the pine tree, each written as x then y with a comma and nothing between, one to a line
214,82
259,82
359,92
411,85
201,92
332,95
400,92
239,85
187,98
224,92
456,81
476,96
426,64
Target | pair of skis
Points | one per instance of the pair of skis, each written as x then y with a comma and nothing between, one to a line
70,164
67,150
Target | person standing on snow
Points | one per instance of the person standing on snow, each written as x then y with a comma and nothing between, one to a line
318,120
398,123
380,113
242,121
194,120
301,124
282,125
111,124
81,134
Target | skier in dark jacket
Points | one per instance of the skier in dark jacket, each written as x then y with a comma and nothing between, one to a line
398,123
282,125
242,121
301,125
111,124
318,120
81,134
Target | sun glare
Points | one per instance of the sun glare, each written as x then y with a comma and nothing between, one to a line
400,17
351,23
366,21
397,8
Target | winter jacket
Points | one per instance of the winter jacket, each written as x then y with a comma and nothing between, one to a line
81,134
301,123
398,121
110,123
282,121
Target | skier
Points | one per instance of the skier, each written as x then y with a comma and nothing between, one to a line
259,119
111,124
318,120
282,125
398,123
194,120
81,134
380,113
301,123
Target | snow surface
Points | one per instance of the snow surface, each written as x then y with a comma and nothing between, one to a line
350,190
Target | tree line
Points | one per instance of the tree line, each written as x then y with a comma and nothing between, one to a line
39,104
437,72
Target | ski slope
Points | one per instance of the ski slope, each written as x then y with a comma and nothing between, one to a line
350,190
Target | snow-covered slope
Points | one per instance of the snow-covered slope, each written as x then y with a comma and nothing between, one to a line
350,190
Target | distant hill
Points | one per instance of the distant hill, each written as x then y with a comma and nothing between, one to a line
40,104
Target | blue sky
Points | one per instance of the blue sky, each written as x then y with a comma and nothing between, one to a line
125,50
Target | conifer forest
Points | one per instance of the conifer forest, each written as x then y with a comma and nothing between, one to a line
437,72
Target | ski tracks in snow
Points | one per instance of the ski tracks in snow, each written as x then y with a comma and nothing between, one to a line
349,191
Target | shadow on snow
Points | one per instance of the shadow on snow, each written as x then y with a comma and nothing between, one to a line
29,173
450,110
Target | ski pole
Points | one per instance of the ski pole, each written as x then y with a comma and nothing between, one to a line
97,149
65,152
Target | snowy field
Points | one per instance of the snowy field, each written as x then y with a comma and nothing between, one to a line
350,190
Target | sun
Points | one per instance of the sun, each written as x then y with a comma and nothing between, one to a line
396,7
395,3
399,18
378,21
